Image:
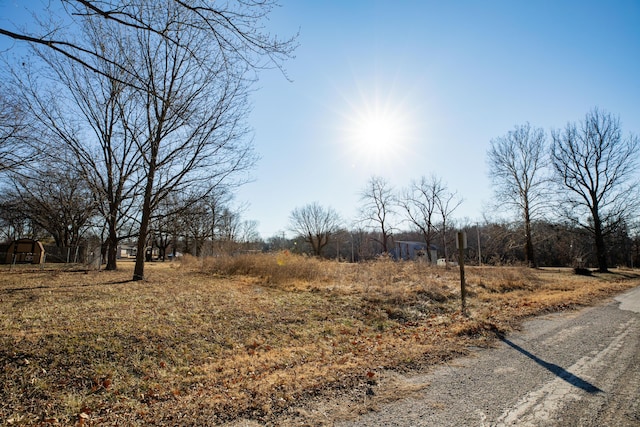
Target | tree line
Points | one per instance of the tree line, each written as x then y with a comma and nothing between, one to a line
490,242
586,177
573,200
125,113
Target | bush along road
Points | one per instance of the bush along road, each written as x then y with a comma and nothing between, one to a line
569,369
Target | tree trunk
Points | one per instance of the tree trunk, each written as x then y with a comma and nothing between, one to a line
601,249
104,248
444,242
112,248
427,241
138,271
528,245
112,255
385,239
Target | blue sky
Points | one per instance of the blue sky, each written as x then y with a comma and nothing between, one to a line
404,89
447,75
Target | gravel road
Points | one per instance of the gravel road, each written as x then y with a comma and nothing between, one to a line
577,369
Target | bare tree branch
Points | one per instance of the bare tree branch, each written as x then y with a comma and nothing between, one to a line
516,168
379,202
595,164
234,29
315,224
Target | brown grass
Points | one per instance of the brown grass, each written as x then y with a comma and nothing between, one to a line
204,342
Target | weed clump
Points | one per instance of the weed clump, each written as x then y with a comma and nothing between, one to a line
504,279
272,268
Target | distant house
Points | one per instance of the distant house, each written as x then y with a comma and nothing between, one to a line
130,251
410,250
127,251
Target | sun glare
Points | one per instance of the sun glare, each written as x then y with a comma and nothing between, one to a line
377,131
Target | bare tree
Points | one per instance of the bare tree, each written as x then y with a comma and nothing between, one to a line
228,227
234,233
248,234
55,199
597,167
168,223
358,237
315,224
516,167
447,202
500,242
378,206
277,242
192,131
420,205
196,217
198,224
87,115
179,154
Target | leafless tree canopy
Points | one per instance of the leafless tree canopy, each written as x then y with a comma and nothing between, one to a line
315,224
428,205
89,116
56,200
447,202
16,144
516,167
191,130
234,27
595,164
378,204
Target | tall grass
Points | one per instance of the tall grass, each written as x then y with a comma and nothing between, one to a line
504,279
207,341
270,268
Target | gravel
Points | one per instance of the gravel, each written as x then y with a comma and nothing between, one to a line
569,369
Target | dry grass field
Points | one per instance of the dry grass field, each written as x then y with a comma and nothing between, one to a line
257,338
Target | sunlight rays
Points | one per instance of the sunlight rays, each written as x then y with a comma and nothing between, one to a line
378,127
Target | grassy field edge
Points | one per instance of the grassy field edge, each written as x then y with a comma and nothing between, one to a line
212,341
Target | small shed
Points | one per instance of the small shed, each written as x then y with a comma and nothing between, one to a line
25,251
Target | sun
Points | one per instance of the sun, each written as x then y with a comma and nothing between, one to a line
377,131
